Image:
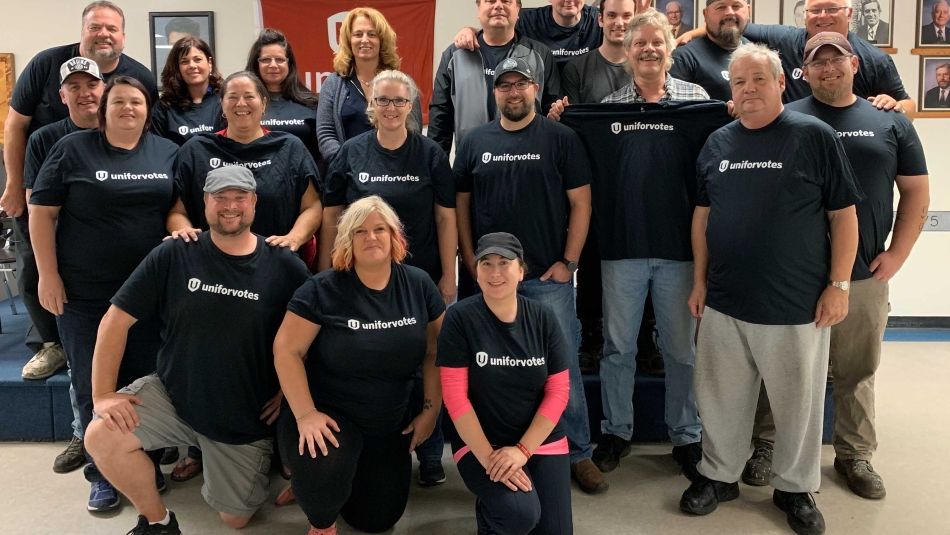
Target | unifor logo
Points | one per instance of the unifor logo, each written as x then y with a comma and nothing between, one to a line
616,128
486,157
364,177
193,284
797,74
214,162
353,324
182,129
102,175
334,22
723,165
481,358
725,75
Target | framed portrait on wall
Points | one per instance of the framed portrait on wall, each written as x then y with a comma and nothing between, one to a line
935,84
167,27
792,13
933,23
680,13
871,20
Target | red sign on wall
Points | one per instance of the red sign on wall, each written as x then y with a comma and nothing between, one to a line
313,28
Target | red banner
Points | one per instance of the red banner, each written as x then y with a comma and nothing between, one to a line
313,28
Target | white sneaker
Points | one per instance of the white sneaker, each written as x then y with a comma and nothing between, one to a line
46,362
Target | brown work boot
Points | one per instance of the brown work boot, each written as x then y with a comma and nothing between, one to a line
589,478
862,479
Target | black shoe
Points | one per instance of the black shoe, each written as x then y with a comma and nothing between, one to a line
688,456
861,477
73,457
160,484
801,512
609,451
431,473
758,469
704,494
144,528
170,456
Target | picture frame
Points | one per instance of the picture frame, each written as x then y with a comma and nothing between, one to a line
792,13
930,85
685,10
166,27
872,21
929,14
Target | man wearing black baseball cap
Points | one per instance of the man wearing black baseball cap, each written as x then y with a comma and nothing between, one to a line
221,299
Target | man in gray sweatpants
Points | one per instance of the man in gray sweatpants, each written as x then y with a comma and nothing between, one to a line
768,285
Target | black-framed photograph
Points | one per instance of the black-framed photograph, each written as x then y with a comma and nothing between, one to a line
165,28
935,83
871,20
792,13
933,23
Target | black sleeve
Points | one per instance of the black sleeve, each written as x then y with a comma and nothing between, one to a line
441,108
887,80
453,350
32,160
838,183
29,88
335,185
910,153
770,34
306,302
461,168
442,179
307,172
184,176
141,293
435,306
160,120
552,81
576,170
571,82
48,189
559,353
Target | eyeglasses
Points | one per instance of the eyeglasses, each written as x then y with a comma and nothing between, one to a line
837,61
398,102
520,85
829,10
266,60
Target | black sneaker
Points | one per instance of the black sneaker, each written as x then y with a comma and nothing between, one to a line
144,528
758,469
801,512
704,494
73,457
431,473
688,456
609,451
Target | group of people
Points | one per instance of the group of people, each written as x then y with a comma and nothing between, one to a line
167,245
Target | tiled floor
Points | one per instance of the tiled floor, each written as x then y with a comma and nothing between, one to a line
914,432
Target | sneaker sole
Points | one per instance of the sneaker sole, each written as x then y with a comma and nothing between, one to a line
104,509
431,483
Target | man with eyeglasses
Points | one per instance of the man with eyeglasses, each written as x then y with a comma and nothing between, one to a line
883,149
936,33
674,13
874,28
528,175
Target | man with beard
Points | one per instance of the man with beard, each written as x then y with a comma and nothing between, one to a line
939,97
935,33
705,60
883,149
874,29
674,13
528,175
220,299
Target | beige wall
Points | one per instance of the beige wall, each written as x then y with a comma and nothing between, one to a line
921,289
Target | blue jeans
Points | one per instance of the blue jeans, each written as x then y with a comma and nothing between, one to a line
560,297
626,283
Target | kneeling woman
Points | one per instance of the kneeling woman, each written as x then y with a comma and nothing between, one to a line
372,321
503,362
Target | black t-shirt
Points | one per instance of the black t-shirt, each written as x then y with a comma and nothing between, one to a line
413,179
644,161
284,115
877,74
370,344
114,203
518,182
491,57
37,91
565,42
705,63
281,165
181,125
880,145
769,191
590,78
219,315
39,145
508,363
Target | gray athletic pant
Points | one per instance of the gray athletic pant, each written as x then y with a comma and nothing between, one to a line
733,357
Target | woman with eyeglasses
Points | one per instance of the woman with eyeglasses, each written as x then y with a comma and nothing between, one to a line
291,107
367,47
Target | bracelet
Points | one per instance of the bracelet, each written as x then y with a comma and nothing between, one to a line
306,414
524,450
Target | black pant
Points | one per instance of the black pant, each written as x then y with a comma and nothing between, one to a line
43,328
546,510
365,480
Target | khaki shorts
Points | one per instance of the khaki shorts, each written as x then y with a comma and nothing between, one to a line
235,475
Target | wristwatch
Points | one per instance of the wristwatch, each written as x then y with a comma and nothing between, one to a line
841,285
571,265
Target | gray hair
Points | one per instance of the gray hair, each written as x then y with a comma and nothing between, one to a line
655,19
933,8
757,51
405,80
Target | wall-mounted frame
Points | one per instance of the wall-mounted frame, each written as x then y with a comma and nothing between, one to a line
167,27
934,77
680,13
700,5
792,13
933,24
871,20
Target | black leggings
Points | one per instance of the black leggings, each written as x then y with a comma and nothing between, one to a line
546,510
365,480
